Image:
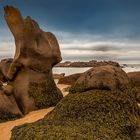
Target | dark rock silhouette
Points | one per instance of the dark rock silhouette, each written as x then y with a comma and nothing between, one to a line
107,77
29,73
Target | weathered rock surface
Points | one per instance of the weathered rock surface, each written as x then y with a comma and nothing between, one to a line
58,76
29,73
91,115
8,107
4,67
70,79
103,77
134,78
135,83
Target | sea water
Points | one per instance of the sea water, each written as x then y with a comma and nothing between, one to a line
72,70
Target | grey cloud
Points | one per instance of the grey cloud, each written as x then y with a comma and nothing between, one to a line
103,48
106,48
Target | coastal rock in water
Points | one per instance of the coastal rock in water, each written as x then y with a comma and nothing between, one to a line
70,79
30,73
106,77
91,115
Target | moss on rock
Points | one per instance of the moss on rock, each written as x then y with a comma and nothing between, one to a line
45,94
91,115
7,116
136,91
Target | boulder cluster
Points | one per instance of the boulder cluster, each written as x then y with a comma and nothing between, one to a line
101,105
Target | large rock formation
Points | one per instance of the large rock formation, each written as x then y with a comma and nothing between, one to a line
29,74
106,77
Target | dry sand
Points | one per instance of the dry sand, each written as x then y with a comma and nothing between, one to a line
5,128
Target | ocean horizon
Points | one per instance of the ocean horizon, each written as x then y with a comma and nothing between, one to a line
72,70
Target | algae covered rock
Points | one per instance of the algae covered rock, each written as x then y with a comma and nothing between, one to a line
107,77
135,83
43,96
91,115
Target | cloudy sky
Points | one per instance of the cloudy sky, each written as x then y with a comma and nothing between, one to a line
86,29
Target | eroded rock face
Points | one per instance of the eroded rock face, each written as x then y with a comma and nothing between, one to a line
107,77
4,67
35,49
30,71
8,106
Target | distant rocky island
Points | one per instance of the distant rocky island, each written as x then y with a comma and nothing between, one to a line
92,63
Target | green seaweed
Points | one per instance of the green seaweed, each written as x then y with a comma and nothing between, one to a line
78,88
136,92
92,115
7,116
45,94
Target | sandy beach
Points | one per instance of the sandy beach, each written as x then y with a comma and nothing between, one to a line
5,128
